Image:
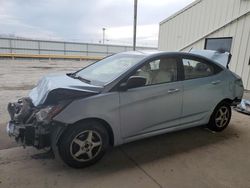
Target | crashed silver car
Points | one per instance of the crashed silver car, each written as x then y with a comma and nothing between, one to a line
122,98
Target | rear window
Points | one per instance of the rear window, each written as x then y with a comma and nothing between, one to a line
196,69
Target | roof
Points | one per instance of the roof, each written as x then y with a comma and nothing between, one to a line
180,11
143,52
155,53
151,53
213,56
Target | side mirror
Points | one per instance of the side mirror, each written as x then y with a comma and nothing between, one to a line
133,82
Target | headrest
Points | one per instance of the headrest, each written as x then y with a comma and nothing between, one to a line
167,64
146,67
201,67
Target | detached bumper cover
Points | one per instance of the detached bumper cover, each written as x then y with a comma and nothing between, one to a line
236,102
243,107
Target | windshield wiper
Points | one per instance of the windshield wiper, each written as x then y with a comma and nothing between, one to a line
83,79
73,75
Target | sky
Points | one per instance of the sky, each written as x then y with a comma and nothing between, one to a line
83,20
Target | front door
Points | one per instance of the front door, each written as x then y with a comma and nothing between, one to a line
155,106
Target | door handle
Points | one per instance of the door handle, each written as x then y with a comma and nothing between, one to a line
215,82
170,91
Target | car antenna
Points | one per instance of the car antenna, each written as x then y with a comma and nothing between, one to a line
190,50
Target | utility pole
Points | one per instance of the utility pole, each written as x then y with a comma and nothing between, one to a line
103,35
135,23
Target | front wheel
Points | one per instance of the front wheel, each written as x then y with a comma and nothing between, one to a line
220,118
83,144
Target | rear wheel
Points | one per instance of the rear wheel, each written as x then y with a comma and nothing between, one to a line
83,144
220,117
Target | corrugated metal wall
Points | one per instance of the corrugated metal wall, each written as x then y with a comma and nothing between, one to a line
26,46
207,19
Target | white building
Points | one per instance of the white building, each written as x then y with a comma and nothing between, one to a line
212,24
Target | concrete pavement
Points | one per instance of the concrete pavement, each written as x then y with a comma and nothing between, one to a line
191,158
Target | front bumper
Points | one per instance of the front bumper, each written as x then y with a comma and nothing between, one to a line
24,127
29,134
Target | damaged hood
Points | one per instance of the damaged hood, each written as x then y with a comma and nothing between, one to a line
54,88
221,58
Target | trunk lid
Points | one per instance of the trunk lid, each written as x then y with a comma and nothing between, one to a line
222,58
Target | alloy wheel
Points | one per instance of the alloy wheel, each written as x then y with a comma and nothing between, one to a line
222,117
86,145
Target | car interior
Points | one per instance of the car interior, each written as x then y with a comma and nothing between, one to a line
165,70
159,71
195,69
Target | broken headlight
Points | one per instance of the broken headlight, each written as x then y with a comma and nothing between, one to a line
47,113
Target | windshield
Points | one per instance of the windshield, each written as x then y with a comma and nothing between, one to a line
106,70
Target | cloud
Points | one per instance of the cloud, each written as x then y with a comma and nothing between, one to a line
146,34
83,20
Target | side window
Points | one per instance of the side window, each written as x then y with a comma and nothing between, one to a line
196,69
159,71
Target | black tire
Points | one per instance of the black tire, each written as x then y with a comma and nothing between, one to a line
75,140
217,121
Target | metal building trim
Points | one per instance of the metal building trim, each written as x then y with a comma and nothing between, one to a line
180,11
215,30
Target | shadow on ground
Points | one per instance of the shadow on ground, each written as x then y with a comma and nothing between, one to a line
169,160
156,148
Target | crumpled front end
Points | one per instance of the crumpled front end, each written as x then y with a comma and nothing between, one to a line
29,125
52,89
31,117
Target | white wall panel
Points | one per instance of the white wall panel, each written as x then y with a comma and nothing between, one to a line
207,19
5,50
97,54
129,48
24,51
97,48
51,52
76,53
242,46
52,45
237,40
4,43
244,55
24,44
116,49
75,47
198,21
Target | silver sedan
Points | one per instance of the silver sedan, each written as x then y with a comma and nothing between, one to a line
125,97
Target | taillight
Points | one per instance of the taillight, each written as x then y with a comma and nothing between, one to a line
239,82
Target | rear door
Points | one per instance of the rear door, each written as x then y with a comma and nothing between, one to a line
202,89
